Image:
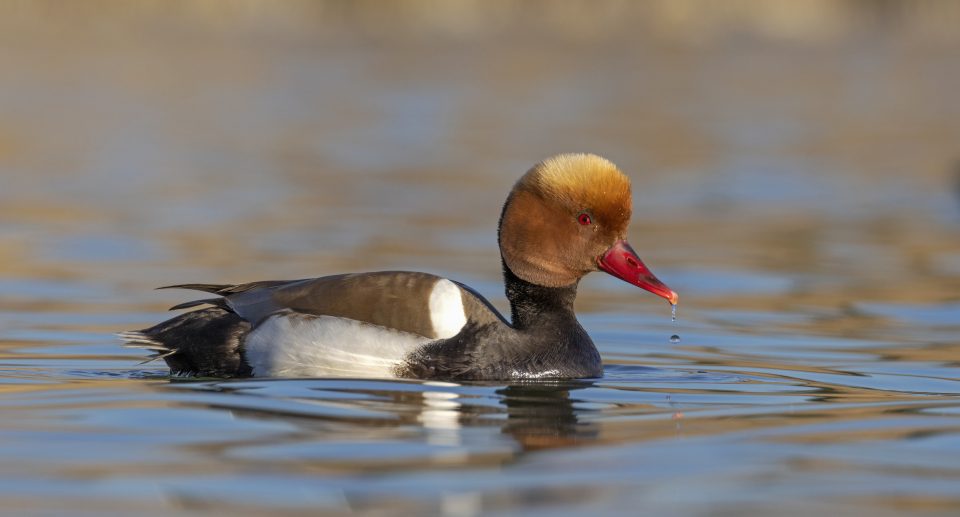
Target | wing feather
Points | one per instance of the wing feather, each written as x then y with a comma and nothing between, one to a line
396,300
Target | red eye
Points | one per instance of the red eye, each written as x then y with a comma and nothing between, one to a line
584,218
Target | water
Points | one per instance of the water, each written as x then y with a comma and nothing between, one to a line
674,339
794,182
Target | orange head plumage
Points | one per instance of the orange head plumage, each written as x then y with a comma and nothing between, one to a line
568,216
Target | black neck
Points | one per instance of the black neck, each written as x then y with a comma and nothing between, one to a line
535,305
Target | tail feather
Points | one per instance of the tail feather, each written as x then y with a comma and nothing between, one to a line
137,339
158,356
205,342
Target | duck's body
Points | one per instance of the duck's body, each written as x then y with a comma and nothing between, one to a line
406,324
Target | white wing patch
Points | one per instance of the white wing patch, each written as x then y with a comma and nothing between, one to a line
290,344
446,309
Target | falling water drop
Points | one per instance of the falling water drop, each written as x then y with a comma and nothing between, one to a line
673,316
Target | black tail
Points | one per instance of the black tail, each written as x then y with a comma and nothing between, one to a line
206,342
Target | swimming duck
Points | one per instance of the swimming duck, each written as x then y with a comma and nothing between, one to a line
566,217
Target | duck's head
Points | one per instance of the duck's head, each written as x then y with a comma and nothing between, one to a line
568,216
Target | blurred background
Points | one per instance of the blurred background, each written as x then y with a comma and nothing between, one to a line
159,141
796,172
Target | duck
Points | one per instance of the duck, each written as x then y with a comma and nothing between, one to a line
566,217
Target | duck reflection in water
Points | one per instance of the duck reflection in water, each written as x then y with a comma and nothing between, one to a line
538,415
542,416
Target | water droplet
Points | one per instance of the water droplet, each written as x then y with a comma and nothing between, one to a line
673,312
674,339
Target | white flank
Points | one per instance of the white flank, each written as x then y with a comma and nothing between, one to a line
290,344
446,309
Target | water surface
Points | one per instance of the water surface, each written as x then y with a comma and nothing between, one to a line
794,182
